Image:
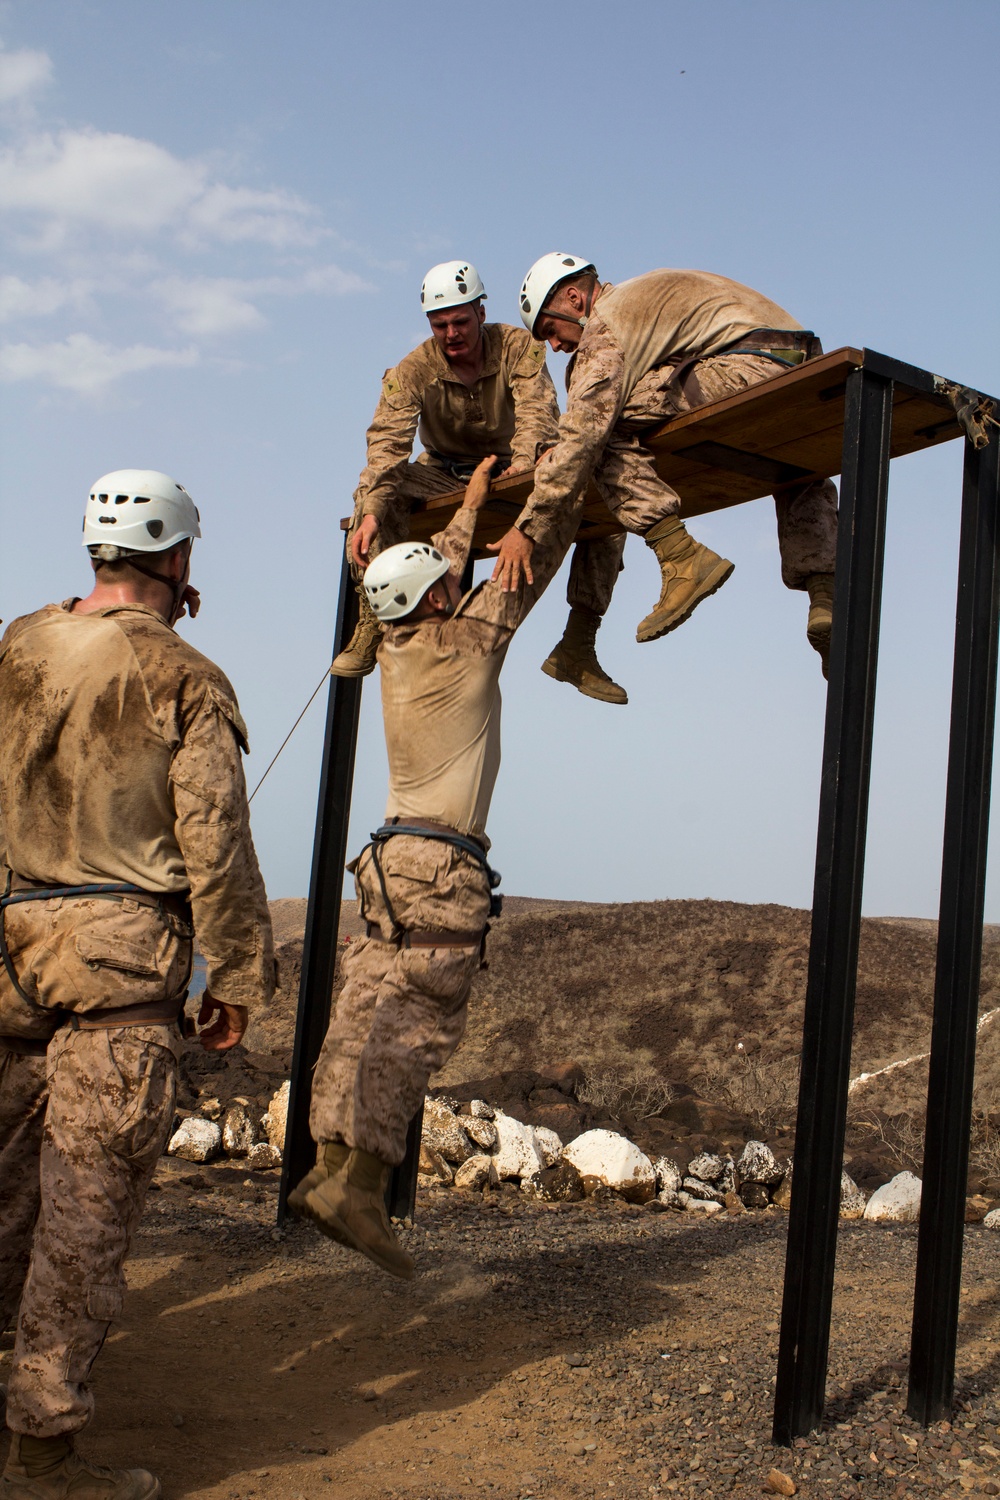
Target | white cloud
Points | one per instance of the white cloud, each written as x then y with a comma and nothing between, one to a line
39,299
22,72
83,364
121,184
207,306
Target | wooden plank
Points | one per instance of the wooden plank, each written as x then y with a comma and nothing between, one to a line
734,450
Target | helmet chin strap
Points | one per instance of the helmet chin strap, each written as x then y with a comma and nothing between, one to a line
176,587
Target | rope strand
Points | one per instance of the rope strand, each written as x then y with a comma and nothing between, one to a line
288,736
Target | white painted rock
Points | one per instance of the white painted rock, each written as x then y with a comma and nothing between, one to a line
480,1110
517,1154
475,1173
707,1167
443,1133
758,1163
992,1219
707,1192
668,1175
238,1130
276,1119
263,1156
897,1201
196,1140
549,1145
702,1206
605,1159
481,1132
852,1199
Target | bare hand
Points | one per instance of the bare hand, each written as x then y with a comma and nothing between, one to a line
514,562
478,489
190,601
225,1031
362,540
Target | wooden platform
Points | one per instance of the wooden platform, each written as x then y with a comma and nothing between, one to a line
740,449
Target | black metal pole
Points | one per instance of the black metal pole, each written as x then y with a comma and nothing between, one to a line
319,948
836,920
959,950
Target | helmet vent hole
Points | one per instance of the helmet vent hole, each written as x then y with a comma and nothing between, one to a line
103,499
108,520
141,500
121,499
155,528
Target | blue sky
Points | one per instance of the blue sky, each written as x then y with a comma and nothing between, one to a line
216,221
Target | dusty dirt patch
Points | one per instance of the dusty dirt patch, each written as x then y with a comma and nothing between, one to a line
569,1351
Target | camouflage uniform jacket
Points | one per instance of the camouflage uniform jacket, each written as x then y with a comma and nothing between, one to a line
120,761
661,319
511,411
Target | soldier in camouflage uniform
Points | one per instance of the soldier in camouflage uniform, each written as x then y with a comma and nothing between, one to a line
472,388
423,884
123,829
645,351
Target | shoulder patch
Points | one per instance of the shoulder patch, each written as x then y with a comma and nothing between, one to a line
227,707
391,384
535,353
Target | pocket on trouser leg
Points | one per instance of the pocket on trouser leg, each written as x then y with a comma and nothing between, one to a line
102,1305
139,1119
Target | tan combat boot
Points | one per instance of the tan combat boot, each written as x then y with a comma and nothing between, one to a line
575,659
330,1157
820,623
690,573
351,1206
50,1469
358,657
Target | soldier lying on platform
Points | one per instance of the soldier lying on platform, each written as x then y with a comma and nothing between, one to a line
645,351
472,388
124,829
424,886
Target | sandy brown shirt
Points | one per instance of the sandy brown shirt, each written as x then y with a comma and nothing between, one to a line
660,319
120,761
511,411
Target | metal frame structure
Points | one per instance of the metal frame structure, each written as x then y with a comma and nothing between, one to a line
833,957
872,385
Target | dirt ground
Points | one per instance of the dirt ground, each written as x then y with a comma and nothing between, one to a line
571,1350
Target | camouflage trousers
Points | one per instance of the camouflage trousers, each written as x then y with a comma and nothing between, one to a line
639,498
23,1096
71,1193
402,1011
594,567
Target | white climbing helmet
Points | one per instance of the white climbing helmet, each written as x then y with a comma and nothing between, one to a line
397,580
451,284
137,510
544,276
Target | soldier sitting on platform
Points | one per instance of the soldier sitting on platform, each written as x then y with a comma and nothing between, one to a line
645,351
472,388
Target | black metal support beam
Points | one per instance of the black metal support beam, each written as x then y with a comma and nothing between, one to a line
833,954
319,950
959,950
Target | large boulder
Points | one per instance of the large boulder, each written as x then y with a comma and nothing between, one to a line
561,1184
895,1202
605,1159
196,1140
517,1153
442,1132
758,1163
476,1173
238,1130
549,1145
481,1131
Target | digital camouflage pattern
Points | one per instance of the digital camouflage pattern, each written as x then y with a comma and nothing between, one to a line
601,439
511,411
402,1011
142,780
23,1096
111,1105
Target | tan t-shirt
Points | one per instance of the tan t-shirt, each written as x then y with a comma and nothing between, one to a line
120,762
